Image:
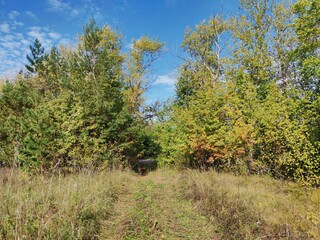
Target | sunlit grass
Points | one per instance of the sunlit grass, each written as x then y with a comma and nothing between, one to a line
72,207
162,205
255,206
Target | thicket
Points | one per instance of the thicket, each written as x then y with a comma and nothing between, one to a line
248,94
78,107
247,99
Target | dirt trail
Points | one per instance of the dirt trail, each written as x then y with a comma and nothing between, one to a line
152,207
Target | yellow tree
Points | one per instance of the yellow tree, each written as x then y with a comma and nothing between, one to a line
143,53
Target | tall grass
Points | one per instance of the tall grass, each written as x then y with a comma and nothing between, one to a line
161,205
72,207
254,207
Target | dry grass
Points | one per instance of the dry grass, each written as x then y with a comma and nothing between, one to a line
255,207
161,205
72,207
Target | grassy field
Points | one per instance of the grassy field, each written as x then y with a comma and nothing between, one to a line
161,205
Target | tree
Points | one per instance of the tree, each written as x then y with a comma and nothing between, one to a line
36,58
204,66
247,110
283,42
53,72
307,53
251,36
15,99
82,118
144,52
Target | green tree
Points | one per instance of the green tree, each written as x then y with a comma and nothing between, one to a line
204,66
82,118
251,43
36,58
246,111
15,99
283,42
307,55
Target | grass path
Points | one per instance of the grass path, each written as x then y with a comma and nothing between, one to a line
154,208
162,205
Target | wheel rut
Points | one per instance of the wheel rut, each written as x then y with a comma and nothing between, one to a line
153,207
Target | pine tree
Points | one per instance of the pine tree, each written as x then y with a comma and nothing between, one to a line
36,58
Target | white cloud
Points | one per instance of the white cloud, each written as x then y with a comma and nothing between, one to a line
12,15
46,36
11,45
58,5
167,79
17,36
64,7
5,28
90,9
14,45
7,38
119,5
36,34
54,35
31,14
87,9
25,42
16,53
9,74
64,41
16,23
34,28
129,46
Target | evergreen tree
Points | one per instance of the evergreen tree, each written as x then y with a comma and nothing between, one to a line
36,58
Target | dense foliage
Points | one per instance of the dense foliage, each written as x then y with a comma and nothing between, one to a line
70,110
247,99
247,95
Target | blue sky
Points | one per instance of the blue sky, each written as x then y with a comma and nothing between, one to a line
56,22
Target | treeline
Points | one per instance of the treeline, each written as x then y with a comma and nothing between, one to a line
248,94
78,107
247,99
